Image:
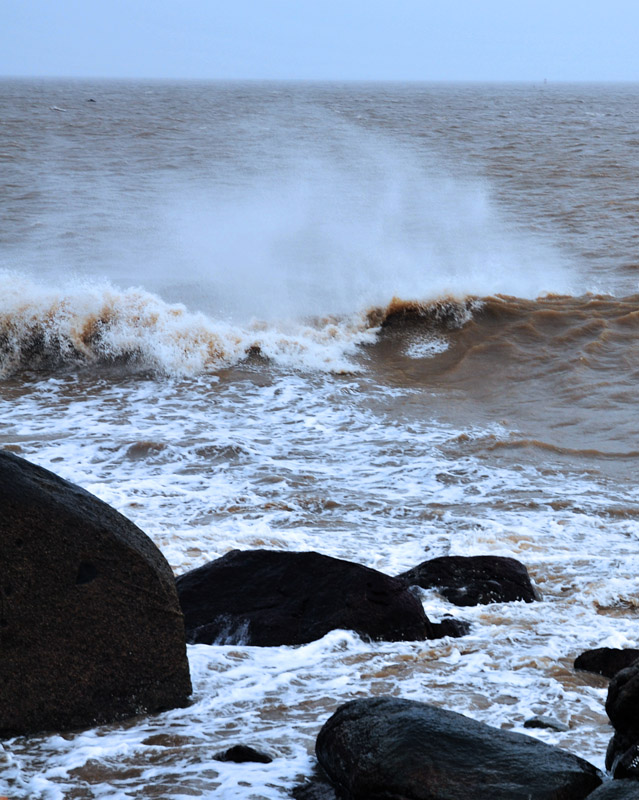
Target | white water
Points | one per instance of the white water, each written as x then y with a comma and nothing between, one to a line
304,463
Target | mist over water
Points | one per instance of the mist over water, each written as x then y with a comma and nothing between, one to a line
318,237
288,218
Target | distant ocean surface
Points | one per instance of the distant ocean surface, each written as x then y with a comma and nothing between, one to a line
382,322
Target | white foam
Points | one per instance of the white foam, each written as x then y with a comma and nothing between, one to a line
426,347
86,323
318,462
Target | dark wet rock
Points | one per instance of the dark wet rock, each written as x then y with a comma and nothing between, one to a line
622,756
616,790
622,706
449,626
622,703
90,625
318,788
606,661
271,598
474,580
549,723
241,753
387,748
618,746
627,764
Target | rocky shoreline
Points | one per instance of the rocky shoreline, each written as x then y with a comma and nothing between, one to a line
92,629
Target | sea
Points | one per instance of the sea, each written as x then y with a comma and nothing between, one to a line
385,322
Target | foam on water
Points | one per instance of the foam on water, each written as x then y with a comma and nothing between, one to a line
318,462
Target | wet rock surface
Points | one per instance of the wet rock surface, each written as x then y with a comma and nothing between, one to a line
243,753
391,748
622,703
90,625
622,706
450,626
318,788
474,580
606,661
272,598
616,790
547,723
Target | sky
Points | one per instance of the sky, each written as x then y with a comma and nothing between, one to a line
417,40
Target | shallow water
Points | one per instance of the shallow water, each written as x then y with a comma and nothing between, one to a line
385,323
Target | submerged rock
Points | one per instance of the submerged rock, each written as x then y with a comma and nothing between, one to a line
90,625
548,723
386,747
606,661
474,580
271,598
450,626
241,754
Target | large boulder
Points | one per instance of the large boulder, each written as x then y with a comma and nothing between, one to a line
474,580
606,661
90,625
269,597
385,747
622,706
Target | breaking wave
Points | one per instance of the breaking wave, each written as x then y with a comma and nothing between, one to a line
42,328
45,328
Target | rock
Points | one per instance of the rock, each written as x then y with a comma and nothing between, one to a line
449,626
606,661
474,580
271,598
387,748
622,706
242,753
616,790
316,789
549,723
622,756
90,625
622,703
627,764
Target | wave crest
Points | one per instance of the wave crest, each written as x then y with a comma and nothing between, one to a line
45,328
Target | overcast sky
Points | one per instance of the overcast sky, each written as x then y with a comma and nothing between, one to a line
322,39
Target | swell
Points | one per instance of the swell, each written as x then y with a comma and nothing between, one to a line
597,333
494,443
562,371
